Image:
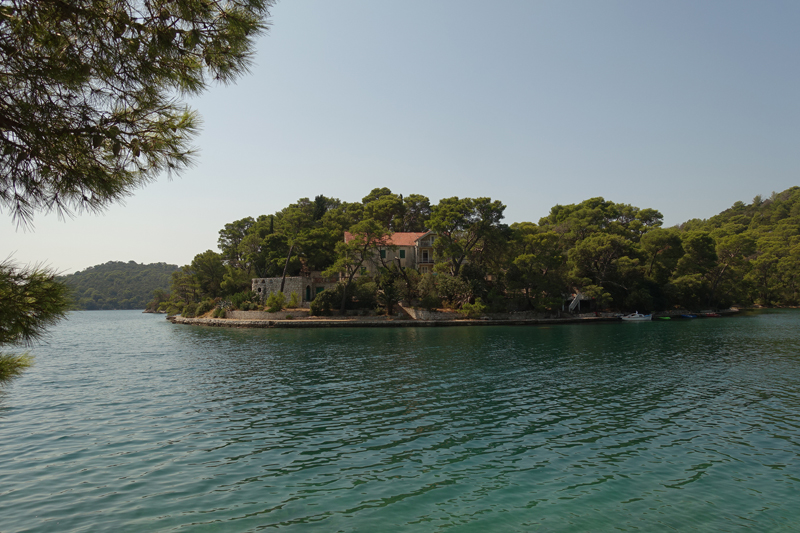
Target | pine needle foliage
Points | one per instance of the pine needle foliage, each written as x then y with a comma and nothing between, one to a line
11,366
89,93
32,300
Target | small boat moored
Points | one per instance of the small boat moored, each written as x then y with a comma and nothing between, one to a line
636,317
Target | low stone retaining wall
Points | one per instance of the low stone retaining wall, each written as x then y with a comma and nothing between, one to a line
424,314
373,323
263,315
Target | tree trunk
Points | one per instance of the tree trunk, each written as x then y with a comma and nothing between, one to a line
286,266
344,298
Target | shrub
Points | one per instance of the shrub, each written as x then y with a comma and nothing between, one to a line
288,317
276,302
389,295
452,290
205,306
430,302
473,310
325,301
219,312
364,294
497,302
294,300
238,299
189,310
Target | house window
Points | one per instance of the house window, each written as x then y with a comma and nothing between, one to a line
402,254
383,254
363,271
425,256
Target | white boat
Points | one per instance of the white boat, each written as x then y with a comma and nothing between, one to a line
636,317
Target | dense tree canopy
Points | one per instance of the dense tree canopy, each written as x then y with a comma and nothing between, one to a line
617,255
117,285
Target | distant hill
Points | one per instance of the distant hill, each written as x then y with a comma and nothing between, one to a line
118,285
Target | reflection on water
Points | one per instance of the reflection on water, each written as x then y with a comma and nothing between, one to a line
133,423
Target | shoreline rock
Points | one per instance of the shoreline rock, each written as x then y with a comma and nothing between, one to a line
391,322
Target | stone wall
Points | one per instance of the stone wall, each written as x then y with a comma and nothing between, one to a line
424,314
263,287
263,315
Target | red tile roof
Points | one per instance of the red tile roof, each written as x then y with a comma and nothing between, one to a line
399,238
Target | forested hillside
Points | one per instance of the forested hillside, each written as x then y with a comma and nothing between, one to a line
118,285
617,255
757,249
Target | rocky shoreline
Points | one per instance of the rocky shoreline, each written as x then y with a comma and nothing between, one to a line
389,322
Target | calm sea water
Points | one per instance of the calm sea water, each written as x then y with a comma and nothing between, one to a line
129,423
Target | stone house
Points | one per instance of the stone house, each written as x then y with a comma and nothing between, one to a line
406,249
306,287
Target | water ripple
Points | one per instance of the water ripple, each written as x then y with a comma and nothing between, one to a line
130,423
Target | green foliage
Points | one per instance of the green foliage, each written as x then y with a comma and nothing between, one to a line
363,294
275,302
617,254
230,239
31,300
428,293
205,306
453,290
431,302
189,310
294,301
475,310
235,280
118,285
463,225
88,93
160,296
389,295
243,300
326,300
12,366
209,273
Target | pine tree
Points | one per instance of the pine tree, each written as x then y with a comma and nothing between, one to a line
89,93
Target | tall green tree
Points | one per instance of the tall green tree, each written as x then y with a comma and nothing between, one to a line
369,235
462,226
662,249
539,269
385,207
294,222
209,272
230,240
416,212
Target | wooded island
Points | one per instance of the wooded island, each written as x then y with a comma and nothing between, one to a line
611,256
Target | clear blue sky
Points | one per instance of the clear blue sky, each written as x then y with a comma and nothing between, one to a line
681,106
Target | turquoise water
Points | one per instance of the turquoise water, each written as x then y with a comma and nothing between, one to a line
129,423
